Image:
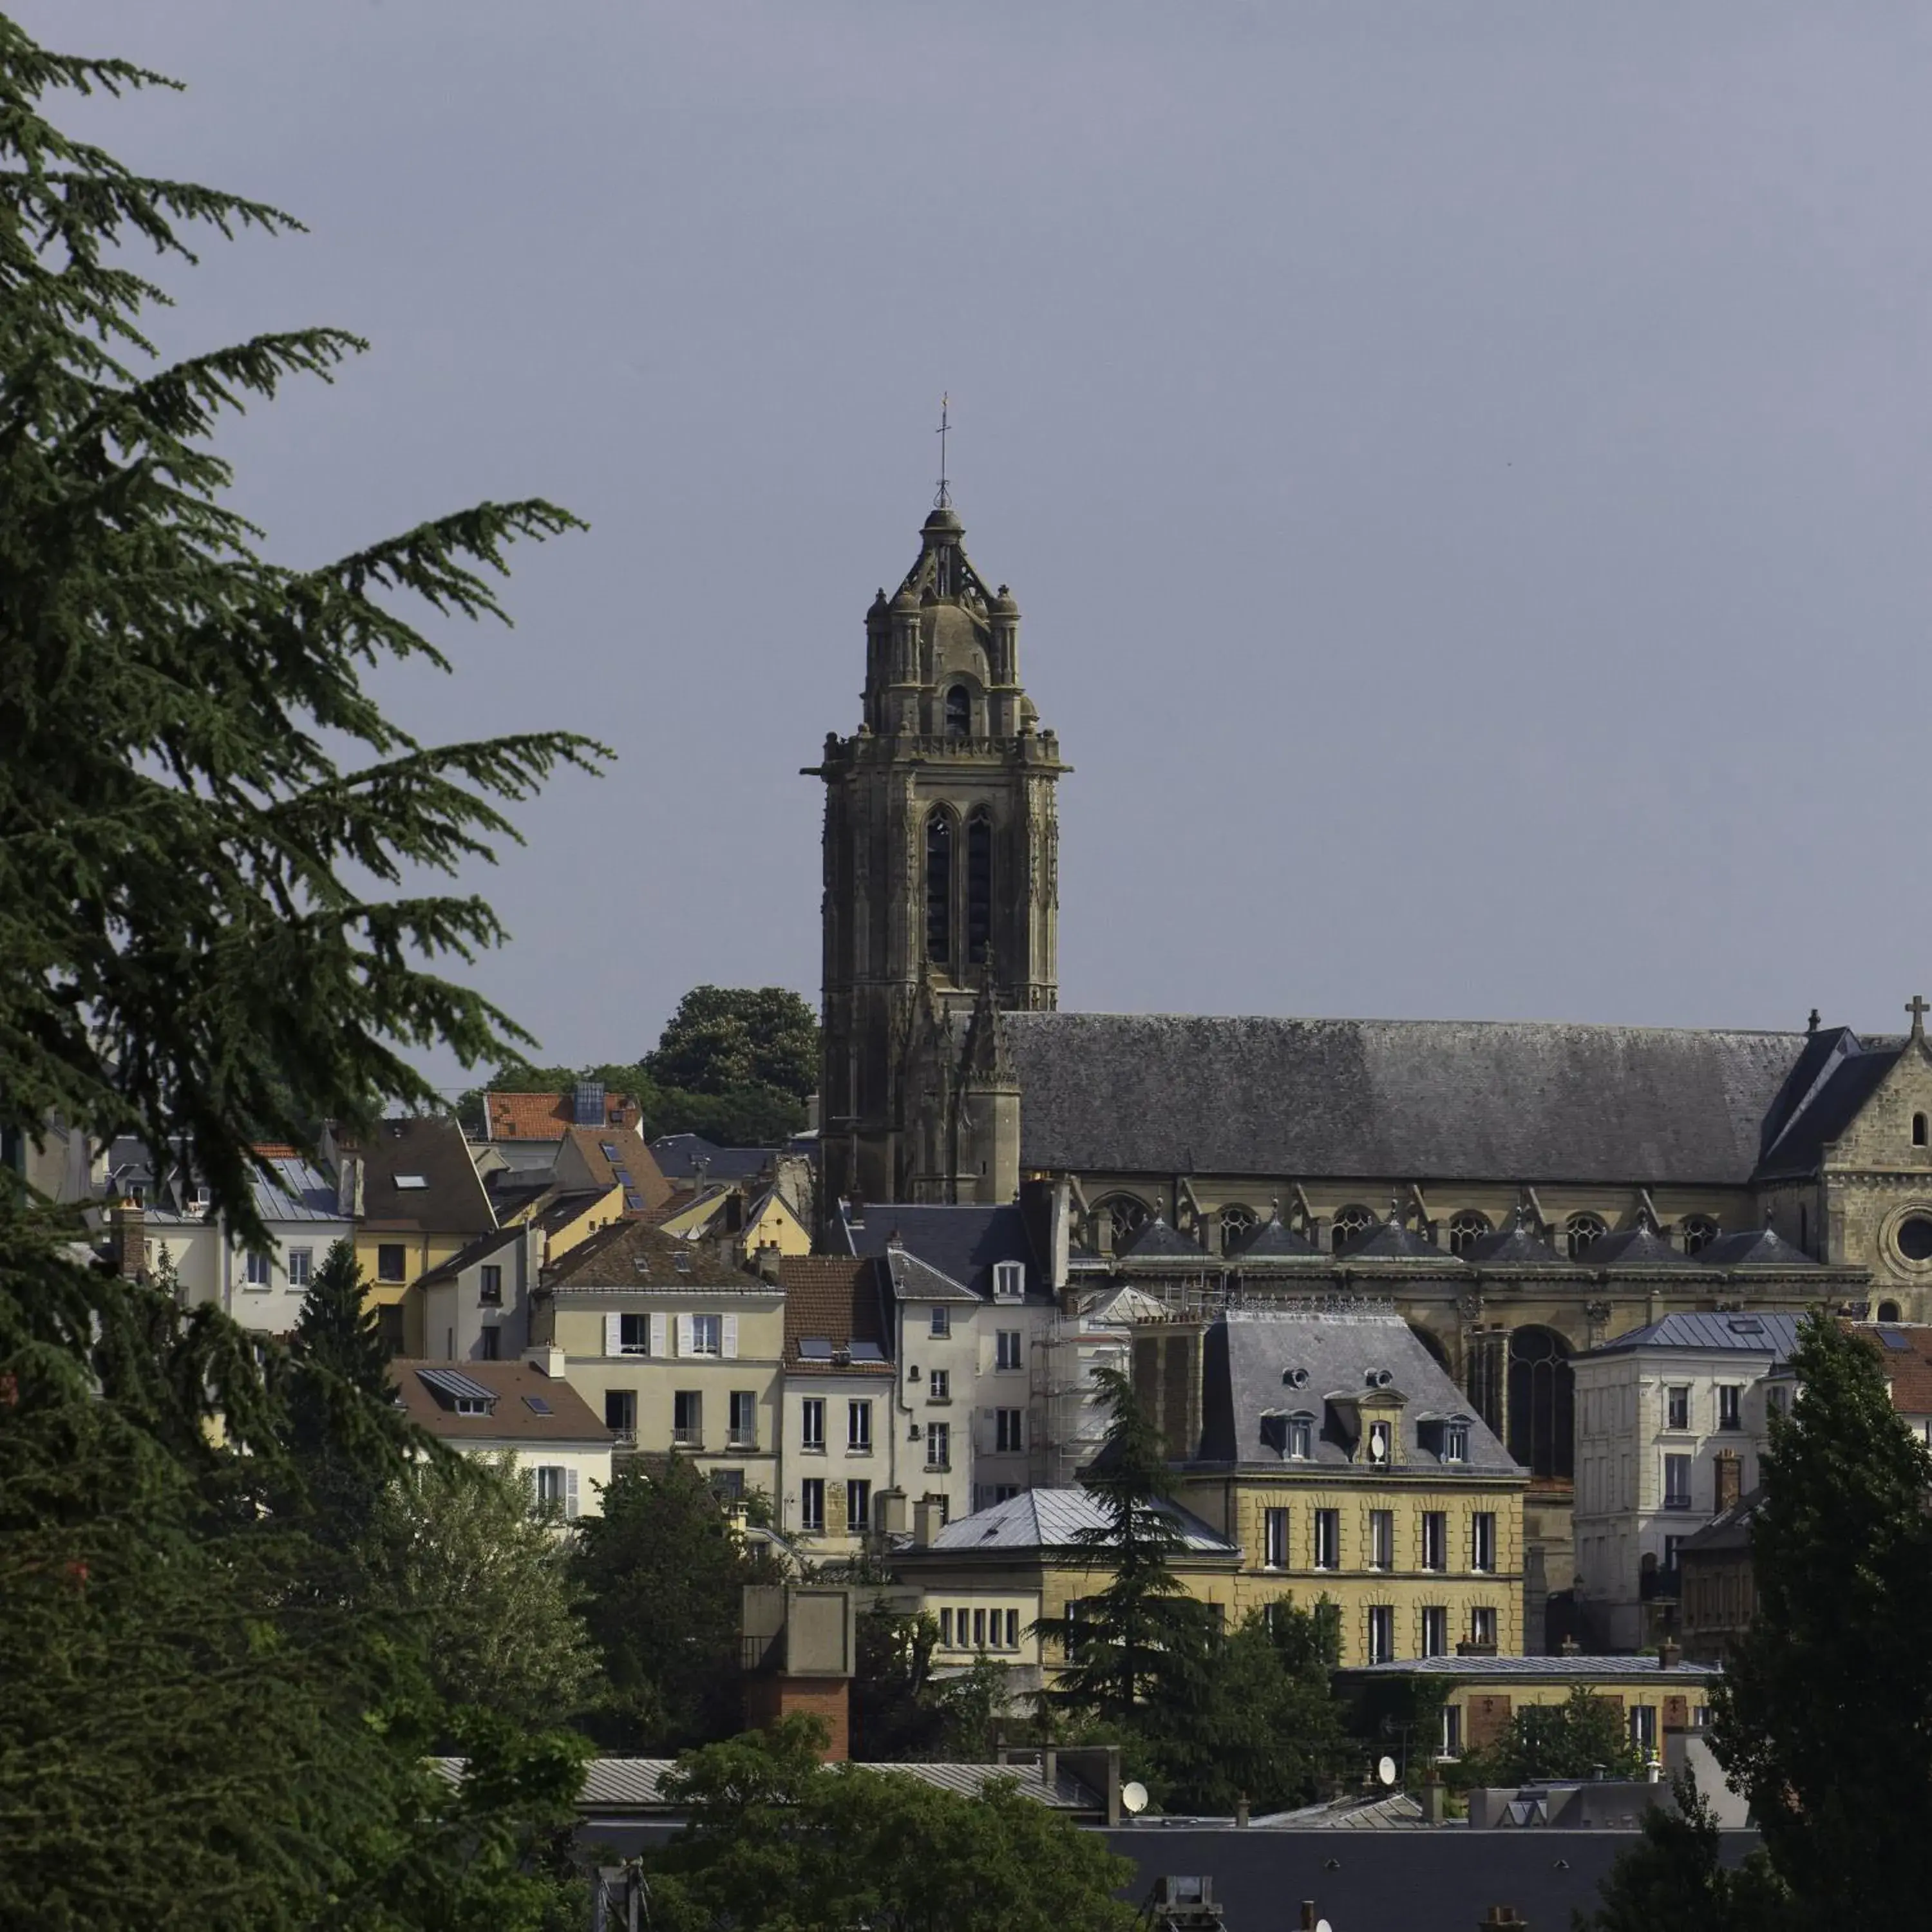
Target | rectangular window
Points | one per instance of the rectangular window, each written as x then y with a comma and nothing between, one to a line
1452,1730
1009,1280
490,1344
556,1490
1483,1626
942,1321
1643,1729
1381,1539
620,1414
1677,1409
858,1427
687,1419
744,1419
1730,1405
858,1506
1006,1343
260,1269
707,1334
1013,1630
490,1285
300,1263
634,1334
1434,1542
812,1503
391,1261
1677,1482
1008,1431
1382,1633
1671,1545
1435,1630
1482,1542
978,1630
939,1386
1328,1539
1274,1539
1455,1442
727,1485
945,1629
812,1421
938,1446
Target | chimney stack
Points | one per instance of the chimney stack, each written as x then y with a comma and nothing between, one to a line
349,1186
925,1522
1668,1656
130,1241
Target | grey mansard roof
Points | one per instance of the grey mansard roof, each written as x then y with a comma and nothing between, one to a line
1440,1099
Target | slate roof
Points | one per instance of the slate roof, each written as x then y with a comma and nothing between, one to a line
608,1261
1519,1246
1246,1355
564,1208
1055,1519
479,1249
517,1387
451,1201
1638,1247
960,1243
677,1156
1852,1073
301,1191
1389,1240
1754,1247
1773,1335
1275,1240
833,1298
1426,1099
1730,1531
1157,1241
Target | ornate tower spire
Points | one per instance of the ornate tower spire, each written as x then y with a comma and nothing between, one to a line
941,860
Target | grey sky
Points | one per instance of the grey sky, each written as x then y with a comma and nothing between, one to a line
1465,469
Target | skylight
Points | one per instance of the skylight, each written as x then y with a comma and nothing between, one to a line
536,1405
412,1181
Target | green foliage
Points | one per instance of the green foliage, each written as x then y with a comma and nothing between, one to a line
1261,1722
1673,1880
1142,1634
722,1038
740,1117
892,1715
1578,1737
777,1843
1824,1719
483,1584
190,885
661,1573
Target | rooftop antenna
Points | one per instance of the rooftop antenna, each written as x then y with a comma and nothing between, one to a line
943,500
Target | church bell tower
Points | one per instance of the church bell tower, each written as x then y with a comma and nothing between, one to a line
941,891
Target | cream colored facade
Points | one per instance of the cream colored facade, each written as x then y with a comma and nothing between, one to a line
849,1438
1476,1606
638,1352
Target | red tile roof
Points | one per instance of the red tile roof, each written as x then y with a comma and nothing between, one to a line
835,1297
1907,1366
544,1117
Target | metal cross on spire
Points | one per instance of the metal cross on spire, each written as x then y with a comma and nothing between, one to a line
943,500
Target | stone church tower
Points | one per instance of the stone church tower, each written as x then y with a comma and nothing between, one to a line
941,892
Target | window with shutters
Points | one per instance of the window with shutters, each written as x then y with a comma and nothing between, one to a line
1730,1405
634,1334
555,1490
1274,1539
1008,1431
707,1334
744,1419
1643,1729
812,1503
687,1419
812,1422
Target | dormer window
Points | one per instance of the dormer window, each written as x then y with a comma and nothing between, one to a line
1299,1446
471,1404
1009,1280
1455,1442
1379,1442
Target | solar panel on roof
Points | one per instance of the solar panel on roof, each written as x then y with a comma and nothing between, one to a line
447,1381
1892,1339
815,1348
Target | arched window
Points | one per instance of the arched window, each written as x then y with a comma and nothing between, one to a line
1123,1217
1918,1130
958,713
979,885
1466,1227
1238,1221
1350,1223
1582,1233
939,887
1542,1403
1698,1232
1888,1311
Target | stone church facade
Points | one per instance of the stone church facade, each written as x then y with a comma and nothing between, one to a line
1520,1192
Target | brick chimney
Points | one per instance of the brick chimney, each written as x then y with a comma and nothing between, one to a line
130,1239
1668,1656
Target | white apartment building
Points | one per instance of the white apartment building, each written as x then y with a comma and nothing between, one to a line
1670,1424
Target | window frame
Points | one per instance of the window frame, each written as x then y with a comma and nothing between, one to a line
811,1423
384,1249
258,1268
1382,1633
1328,1540
1009,1351
1381,1539
940,1327
1009,1431
1677,1405
939,1445
1277,1529
811,1506
743,1436
1436,1629
1435,1540
1483,1542
707,1337
858,1489
299,1265
939,1385
688,1404
858,1425
490,1284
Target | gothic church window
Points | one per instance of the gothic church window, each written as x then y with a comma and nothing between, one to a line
939,888
1350,1224
979,885
1124,1218
1699,1230
1238,1221
1582,1233
958,713
1466,1229
1918,1135
1542,1403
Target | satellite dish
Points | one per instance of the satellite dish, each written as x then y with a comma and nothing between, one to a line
1133,1798
1385,1771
